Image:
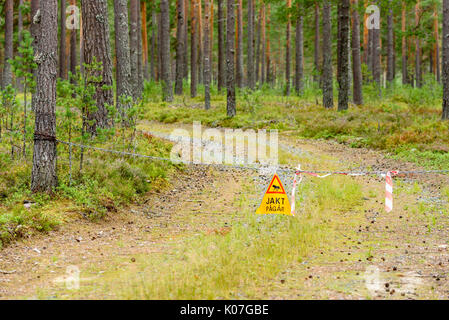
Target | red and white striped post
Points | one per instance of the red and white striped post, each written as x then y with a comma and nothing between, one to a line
389,193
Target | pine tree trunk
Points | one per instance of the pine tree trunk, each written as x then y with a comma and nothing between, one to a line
200,41
19,84
194,49
73,44
62,42
230,56
167,89
221,46
418,48
207,73
343,92
134,47
122,53
44,177
328,95
316,72
390,46
445,67
250,62
288,51
153,45
258,38
264,46
9,30
268,49
139,52
180,47
376,55
436,50
143,10
239,61
299,74
404,47
97,44
356,56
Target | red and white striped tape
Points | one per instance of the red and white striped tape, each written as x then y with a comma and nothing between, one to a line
388,187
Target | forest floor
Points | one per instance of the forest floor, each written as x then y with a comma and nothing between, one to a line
200,238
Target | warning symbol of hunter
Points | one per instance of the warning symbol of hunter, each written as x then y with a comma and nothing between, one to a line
275,200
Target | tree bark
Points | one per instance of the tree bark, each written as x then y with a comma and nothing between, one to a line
268,49
404,46
180,47
44,177
167,89
436,50
239,61
445,67
62,41
134,46
153,45
9,47
250,62
299,74
73,46
288,51
418,73
200,41
258,38
328,94
97,45
230,56
207,73
221,46
376,55
19,84
139,52
143,10
122,53
343,78
316,72
356,56
264,46
390,45
194,49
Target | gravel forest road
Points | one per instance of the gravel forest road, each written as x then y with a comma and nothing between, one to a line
368,255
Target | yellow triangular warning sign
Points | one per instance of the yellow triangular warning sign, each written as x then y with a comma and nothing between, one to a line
275,200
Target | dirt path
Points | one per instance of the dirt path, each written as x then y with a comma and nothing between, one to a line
369,254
